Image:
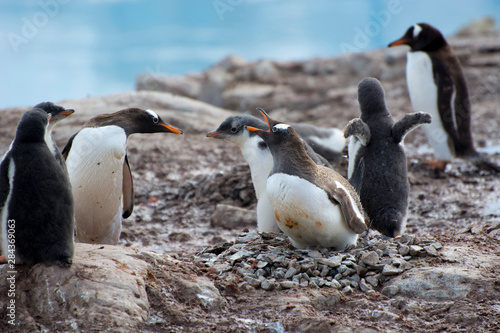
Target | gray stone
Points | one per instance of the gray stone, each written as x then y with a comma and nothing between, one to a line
267,285
373,279
342,268
431,250
291,272
415,250
330,262
246,237
335,284
390,270
371,258
390,290
279,273
364,286
404,250
289,284
315,254
347,290
242,254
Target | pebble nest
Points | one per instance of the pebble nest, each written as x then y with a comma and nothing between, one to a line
268,261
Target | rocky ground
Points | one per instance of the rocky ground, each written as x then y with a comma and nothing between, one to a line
190,259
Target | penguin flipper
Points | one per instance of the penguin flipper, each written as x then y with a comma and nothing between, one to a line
357,176
408,123
359,129
339,194
67,148
127,190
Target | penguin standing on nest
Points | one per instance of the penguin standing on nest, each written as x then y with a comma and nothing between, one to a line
313,204
36,204
100,174
436,83
259,159
377,162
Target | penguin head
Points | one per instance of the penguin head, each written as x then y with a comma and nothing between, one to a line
134,120
421,37
234,128
277,133
57,112
33,126
371,98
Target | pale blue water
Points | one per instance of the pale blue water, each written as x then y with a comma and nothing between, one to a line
59,49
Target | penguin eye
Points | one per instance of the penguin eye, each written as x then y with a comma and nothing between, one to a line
234,130
155,119
274,129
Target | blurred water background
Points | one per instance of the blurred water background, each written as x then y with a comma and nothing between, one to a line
59,49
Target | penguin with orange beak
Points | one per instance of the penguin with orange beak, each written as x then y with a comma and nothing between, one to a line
313,205
100,174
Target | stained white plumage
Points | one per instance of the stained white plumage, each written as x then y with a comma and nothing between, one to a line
95,167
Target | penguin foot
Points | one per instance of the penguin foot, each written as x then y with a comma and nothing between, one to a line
437,167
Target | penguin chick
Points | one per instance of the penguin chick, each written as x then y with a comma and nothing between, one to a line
96,158
36,204
313,204
259,159
436,83
57,114
377,162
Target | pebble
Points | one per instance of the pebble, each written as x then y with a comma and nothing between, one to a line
371,258
269,266
289,284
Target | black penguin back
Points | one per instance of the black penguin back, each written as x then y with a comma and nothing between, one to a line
385,188
40,202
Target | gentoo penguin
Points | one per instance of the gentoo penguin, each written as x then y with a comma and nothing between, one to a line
96,158
35,197
313,204
259,159
57,113
327,142
437,84
377,162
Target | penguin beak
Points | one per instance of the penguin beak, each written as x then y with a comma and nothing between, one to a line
171,128
213,134
400,41
66,112
266,117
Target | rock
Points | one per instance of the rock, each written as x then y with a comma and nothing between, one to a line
389,270
265,71
231,63
330,262
87,293
404,250
441,283
243,93
371,258
291,272
213,86
267,284
431,250
364,286
188,114
231,217
289,284
187,86
390,290
415,250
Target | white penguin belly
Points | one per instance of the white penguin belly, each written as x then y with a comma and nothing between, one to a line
265,215
95,168
423,96
305,214
353,148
